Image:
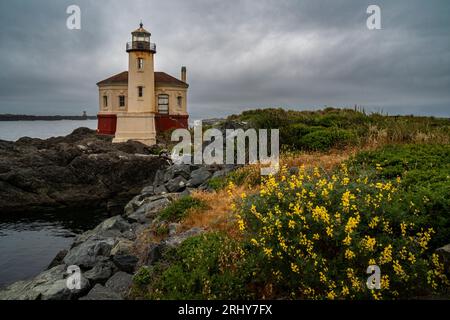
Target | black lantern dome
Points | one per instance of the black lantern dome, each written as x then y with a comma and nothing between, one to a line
141,41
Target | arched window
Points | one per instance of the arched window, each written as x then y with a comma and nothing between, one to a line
163,103
180,102
105,101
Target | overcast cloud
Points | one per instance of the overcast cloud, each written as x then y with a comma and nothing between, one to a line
239,54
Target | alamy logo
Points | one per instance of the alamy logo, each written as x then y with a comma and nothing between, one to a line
73,281
73,22
236,148
374,280
374,20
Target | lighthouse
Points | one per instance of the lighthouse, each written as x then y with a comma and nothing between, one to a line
138,122
140,103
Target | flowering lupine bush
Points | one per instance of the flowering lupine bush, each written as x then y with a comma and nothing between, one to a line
316,235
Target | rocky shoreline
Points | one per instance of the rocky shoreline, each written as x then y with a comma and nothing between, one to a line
110,254
79,170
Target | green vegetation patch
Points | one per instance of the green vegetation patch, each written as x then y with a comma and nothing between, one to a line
178,210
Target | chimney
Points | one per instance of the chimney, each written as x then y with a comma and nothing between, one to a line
183,74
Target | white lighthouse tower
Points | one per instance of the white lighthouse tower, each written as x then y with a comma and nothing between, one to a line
138,122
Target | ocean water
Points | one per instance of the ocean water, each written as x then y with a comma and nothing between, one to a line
14,130
29,242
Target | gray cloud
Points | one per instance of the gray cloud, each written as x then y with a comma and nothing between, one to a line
240,54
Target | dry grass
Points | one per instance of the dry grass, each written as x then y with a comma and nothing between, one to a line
218,216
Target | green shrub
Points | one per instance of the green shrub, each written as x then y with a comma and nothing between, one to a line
204,267
316,236
325,139
142,277
425,173
177,210
217,183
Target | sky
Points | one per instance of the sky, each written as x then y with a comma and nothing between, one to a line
296,54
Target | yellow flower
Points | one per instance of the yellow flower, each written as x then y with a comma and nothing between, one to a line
292,224
374,222
403,227
294,268
330,231
348,240
385,282
331,295
386,255
268,252
368,243
349,254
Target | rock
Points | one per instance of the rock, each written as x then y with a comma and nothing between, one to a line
89,253
81,169
120,283
49,285
176,184
176,240
114,206
101,272
123,247
154,253
444,253
152,205
159,179
148,191
156,250
173,228
219,174
177,170
116,223
126,263
198,177
160,189
58,259
111,228
100,292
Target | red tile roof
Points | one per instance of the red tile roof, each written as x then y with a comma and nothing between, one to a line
161,78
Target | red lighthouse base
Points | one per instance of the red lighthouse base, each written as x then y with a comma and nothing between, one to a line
165,122
107,124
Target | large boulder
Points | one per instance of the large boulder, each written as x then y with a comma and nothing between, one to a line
89,253
176,184
120,283
49,285
114,227
126,262
101,272
100,292
81,169
149,207
177,170
198,177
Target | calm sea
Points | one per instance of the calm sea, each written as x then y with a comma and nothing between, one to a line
28,242
14,130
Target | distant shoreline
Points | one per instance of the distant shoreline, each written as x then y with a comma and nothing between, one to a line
20,117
